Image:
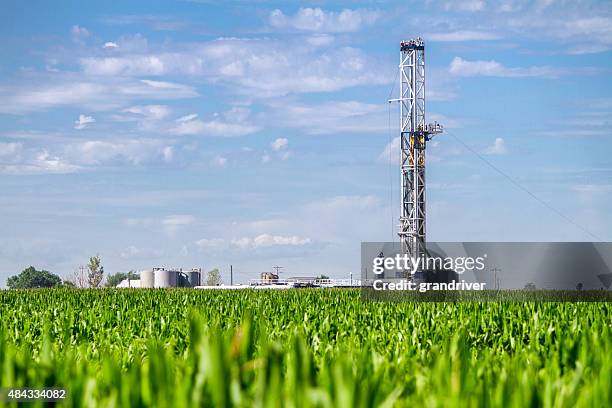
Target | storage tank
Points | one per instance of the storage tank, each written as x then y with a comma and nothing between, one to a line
165,278
146,279
193,278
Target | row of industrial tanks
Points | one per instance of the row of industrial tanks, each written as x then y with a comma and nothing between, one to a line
168,278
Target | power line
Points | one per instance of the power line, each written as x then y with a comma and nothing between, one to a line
520,186
391,167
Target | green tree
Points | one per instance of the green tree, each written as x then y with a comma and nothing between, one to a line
32,278
213,278
115,279
95,272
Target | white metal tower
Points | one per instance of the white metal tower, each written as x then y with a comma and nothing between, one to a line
414,135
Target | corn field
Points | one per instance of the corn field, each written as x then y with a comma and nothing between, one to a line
302,348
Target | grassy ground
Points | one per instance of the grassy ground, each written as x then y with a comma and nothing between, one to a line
303,348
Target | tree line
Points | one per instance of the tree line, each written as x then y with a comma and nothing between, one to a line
91,276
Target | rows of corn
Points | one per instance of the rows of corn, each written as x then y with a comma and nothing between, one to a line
302,348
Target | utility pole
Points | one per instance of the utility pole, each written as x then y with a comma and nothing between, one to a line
277,269
231,275
414,135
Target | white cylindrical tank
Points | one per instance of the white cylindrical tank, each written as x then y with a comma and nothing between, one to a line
165,278
146,279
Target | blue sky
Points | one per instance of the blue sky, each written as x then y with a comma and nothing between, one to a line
204,133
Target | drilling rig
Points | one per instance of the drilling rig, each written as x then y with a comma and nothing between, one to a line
414,135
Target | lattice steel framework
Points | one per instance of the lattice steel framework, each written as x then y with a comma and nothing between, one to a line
414,135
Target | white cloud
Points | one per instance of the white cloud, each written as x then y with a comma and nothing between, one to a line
72,156
279,144
178,220
219,162
461,67
156,22
150,112
332,117
168,153
131,151
391,152
133,252
498,147
582,27
256,67
593,188
462,5
58,90
461,35
83,121
267,240
170,224
210,244
266,158
79,32
10,151
110,45
187,118
315,19
135,65
40,163
191,125
173,223
599,28
320,40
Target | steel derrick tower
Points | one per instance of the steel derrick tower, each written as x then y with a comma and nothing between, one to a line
414,135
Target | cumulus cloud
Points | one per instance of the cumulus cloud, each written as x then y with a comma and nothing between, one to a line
133,252
315,19
279,144
79,32
121,151
191,125
187,118
461,67
134,65
461,35
167,153
110,45
332,117
390,154
156,22
181,219
148,117
585,31
210,244
257,67
267,240
173,223
10,151
83,121
469,6
170,224
77,156
41,162
59,90
219,162
497,148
